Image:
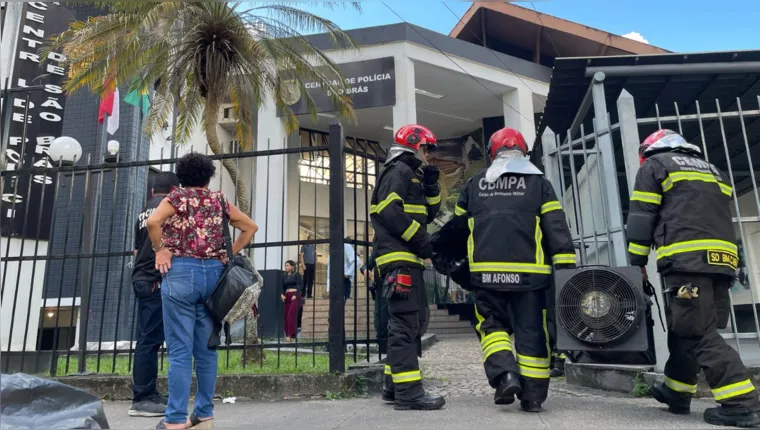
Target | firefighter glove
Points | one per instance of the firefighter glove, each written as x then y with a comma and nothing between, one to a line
430,175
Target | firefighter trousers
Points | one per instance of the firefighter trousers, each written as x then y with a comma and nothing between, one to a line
408,321
695,344
530,356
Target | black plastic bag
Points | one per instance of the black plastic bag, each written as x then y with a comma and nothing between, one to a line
30,402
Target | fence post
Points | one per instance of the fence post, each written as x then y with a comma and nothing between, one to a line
629,135
551,169
336,275
609,172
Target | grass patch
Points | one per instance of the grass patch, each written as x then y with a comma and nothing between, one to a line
640,387
229,364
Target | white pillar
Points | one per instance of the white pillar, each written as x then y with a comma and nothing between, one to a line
518,113
271,196
405,109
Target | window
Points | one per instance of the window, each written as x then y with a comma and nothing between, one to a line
361,169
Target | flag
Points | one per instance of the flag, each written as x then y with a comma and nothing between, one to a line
109,105
138,99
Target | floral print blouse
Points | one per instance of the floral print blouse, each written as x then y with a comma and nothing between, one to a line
196,229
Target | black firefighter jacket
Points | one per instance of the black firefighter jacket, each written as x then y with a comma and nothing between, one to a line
680,204
401,208
516,230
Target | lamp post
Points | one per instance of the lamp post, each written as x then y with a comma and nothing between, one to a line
67,151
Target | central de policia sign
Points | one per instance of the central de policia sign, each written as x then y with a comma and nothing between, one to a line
370,83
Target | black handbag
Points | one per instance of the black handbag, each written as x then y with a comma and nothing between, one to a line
237,276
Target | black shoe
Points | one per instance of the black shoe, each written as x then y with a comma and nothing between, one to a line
160,398
557,373
508,388
732,416
530,406
677,404
147,409
427,402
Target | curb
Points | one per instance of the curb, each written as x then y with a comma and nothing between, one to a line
624,379
253,387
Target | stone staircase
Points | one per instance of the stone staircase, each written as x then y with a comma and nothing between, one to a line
315,313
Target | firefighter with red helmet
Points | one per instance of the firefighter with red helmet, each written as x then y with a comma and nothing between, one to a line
406,199
516,231
680,205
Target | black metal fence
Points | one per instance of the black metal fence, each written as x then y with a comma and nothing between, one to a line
67,301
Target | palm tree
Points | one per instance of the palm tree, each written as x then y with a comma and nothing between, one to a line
207,53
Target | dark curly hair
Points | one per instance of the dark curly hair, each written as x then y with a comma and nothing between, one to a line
195,170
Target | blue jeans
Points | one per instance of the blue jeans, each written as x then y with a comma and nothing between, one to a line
188,327
150,337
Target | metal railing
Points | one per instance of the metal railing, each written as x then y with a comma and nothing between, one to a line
582,164
67,301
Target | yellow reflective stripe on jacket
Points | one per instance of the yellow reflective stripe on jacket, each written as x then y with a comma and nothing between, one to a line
458,211
539,237
532,372
680,387
538,362
550,206
563,259
415,209
388,369
667,184
413,376
697,245
733,390
471,242
636,249
541,269
410,231
398,256
433,200
376,209
726,189
641,196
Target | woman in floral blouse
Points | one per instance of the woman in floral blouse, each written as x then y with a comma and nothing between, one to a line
188,236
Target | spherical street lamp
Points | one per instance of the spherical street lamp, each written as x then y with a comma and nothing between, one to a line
65,150
113,151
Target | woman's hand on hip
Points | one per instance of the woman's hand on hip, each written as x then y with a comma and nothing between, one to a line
282,296
164,260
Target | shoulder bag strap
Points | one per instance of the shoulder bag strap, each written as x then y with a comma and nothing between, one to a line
226,227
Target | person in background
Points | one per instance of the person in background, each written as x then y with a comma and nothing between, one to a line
146,283
291,298
309,260
351,262
187,233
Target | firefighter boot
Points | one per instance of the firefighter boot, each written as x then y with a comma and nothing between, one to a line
732,416
507,389
530,406
678,404
388,391
428,402
558,367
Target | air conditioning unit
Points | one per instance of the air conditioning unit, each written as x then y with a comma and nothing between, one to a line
602,309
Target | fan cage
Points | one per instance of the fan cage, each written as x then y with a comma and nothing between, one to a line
599,307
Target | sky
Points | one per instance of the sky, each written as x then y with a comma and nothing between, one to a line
675,25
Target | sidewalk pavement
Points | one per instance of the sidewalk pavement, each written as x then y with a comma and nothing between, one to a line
571,412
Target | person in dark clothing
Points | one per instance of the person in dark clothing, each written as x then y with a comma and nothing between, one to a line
146,282
291,298
512,203
406,199
680,205
381,315
309,260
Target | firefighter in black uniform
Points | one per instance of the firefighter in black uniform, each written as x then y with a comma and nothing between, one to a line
406,199
680,204
517,230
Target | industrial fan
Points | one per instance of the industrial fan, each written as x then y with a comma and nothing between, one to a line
601,309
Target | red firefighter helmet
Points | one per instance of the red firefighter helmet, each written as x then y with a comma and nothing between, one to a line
506,138
664,139
413,135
